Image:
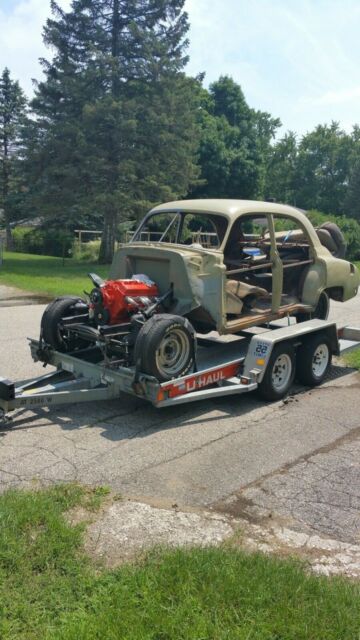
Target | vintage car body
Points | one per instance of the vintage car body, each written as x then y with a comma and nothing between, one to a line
288,272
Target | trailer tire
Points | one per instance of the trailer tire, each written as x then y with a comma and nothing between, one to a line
313,360
165,347
279,374
55,311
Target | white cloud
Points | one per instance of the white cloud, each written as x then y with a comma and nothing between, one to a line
21,42
336,97
297,59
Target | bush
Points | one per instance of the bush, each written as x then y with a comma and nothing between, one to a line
42,241
349,227
88,252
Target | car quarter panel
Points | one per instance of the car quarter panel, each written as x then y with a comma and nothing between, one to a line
344,275
196,275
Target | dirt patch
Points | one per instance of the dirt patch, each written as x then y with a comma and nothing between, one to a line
12,297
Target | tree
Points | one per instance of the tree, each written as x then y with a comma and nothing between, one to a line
281,170
352,200
234,143
12,118
323,167
99,114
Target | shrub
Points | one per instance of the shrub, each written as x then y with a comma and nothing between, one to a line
88,252
42,241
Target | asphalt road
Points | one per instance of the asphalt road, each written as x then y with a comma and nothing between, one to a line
296,462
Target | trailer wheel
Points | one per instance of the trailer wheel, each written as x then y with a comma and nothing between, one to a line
279,374
313,360
165,347
51,333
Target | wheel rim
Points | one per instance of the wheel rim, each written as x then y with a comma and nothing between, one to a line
320,360
281,372
173,352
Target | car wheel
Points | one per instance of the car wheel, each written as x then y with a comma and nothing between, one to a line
313,360
165,347
56,311
279,374
321,310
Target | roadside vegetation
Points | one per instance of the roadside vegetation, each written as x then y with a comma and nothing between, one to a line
352,358
50,276
50,589
46,275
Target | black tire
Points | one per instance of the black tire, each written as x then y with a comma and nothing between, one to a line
337,237
165,347
270,388
320,312
53,314
316,351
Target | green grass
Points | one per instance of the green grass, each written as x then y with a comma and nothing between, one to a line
46,275
353,358
49,589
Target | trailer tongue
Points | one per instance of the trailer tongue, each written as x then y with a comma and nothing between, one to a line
264,360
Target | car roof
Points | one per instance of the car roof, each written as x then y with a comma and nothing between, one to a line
231,208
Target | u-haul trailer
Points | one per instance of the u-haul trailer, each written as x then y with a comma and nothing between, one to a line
265,358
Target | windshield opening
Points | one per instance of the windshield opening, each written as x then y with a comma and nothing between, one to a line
178,227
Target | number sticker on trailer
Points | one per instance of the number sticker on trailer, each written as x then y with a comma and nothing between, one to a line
260,352
261,349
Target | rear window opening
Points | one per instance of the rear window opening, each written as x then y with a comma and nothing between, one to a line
204,229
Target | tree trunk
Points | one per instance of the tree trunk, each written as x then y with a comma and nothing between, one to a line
107,245
9,239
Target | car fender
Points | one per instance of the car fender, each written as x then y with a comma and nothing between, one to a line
314,282
344,275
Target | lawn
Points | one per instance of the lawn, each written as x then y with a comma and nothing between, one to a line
46,275
353,358
50,589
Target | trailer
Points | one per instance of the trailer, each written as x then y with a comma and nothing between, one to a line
266,359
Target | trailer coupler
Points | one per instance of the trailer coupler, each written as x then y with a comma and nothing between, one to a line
59,387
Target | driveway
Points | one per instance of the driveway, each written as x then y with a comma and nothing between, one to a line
294,462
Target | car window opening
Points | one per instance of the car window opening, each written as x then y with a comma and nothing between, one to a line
200,229
249,267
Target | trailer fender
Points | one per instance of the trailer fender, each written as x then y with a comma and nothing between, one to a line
262,345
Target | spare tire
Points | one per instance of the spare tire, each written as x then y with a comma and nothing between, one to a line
165,347
332,238
56,311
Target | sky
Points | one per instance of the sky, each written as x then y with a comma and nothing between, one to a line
297,59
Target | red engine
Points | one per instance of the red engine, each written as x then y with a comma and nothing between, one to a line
115,300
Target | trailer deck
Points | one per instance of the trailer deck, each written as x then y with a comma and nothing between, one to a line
223,367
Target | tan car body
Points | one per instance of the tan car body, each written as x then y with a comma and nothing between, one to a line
198,275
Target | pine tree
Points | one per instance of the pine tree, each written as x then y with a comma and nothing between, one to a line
99,114
12,118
